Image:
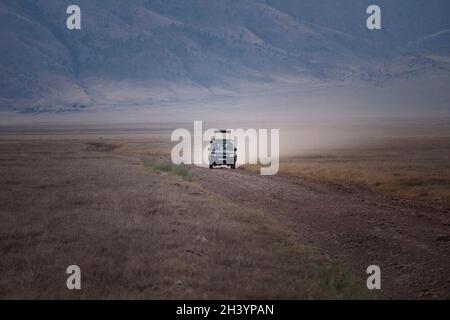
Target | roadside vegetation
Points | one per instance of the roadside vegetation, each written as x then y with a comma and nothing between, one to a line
168,168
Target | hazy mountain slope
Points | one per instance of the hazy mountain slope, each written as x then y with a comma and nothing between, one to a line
34,62
402,20
142,45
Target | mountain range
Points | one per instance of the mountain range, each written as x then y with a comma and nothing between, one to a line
140,49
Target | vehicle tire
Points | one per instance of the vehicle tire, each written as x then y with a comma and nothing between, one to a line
211,166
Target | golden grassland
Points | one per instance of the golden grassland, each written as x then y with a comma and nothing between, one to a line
410,168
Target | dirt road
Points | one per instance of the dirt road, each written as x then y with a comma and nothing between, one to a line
409,242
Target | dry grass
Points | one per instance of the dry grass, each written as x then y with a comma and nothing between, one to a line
413,168
154,145
139,233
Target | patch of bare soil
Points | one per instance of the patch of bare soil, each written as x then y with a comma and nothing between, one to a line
101,146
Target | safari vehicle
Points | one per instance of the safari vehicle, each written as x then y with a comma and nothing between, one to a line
222,150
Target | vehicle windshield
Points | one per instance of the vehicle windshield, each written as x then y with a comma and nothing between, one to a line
221,144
